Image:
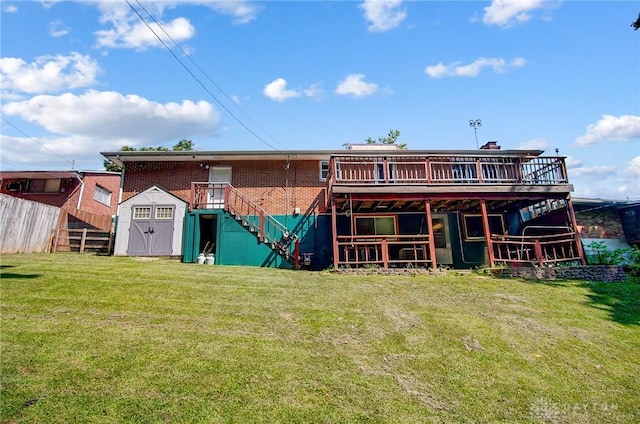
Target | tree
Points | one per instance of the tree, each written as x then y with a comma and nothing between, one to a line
636,24
182,145
391,138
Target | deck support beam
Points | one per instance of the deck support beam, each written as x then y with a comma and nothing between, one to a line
432,246
574,224
334,233
487,232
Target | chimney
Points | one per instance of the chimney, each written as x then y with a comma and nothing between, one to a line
490,145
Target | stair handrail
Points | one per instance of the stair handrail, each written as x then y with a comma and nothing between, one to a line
268,227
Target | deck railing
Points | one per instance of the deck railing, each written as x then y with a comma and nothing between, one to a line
541,250
446,170
383,251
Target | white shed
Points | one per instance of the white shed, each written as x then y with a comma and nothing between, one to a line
150,224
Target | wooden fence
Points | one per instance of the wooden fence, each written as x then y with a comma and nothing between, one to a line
82,240
26,226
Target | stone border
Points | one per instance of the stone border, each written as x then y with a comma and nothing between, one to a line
608,273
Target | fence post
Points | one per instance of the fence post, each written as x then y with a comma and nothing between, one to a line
385,253
538,249
83,239
55,240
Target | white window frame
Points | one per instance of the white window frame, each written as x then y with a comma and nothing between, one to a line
100,193
324,171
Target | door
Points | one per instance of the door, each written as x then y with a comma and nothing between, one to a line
151,230
218,175
442,238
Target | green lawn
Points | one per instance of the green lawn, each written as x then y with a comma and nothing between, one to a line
91,339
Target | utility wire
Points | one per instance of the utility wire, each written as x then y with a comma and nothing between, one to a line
35,141
198,80
188,56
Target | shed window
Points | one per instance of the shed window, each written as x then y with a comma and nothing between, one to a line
142,212
102,195
164,213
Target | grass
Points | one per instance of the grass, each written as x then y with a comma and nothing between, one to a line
90,339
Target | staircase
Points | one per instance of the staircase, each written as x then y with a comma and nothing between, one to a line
250,215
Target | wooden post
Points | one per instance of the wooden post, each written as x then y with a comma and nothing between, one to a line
83,238
296,255
334,233
574,224
110,243
432,245
385,253
55,240
537,247
487,232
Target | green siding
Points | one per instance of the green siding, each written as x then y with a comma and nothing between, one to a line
235,245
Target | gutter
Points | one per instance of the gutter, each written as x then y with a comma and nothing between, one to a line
81,190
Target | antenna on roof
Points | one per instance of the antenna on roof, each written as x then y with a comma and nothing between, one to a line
475,124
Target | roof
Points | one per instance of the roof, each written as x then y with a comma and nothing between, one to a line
50,174
121,157
603,203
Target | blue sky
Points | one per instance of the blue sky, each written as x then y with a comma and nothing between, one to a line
83,77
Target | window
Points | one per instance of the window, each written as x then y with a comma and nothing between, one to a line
44,186
324,169
102,195
375,225
142,212
474,230
164,212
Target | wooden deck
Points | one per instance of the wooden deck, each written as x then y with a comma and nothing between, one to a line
446,170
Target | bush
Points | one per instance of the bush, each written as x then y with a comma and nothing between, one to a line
599,254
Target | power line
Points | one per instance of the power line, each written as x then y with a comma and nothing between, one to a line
35,141
198,80
188,56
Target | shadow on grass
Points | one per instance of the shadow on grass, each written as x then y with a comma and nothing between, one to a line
11,275
621,300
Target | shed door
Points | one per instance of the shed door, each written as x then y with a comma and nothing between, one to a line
151,230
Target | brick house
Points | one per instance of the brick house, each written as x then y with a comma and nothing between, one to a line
613,222
88,196
369,205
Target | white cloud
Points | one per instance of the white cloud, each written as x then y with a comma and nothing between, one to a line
631,187
592,172
314,91
137,35
243,12
58,29
473,69
507,13
383,15
48,73
572,162
128,31
535,144
277,90
100,117
9,8
611,128
353,85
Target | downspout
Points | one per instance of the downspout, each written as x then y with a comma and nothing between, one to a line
81,190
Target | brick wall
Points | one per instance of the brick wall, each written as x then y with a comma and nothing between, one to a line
269,183
108,182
